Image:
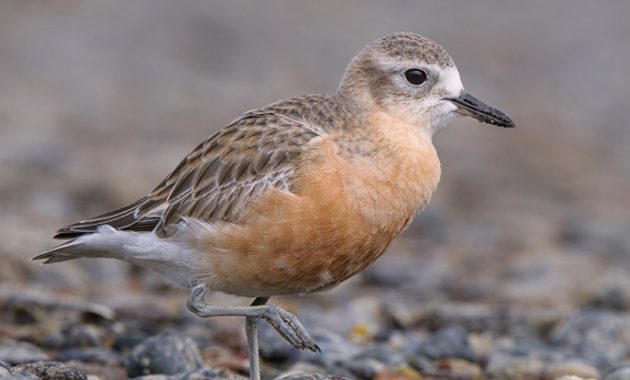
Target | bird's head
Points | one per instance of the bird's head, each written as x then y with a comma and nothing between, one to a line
414,78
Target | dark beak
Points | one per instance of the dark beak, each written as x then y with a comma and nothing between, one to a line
470,106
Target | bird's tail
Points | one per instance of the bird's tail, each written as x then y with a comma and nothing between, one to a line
63,252
82,246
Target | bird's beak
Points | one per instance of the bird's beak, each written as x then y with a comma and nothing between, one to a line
468,105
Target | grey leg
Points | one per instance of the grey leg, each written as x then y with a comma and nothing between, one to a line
251,330
285,323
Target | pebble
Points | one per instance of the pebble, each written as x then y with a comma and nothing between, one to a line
102,356
4,370
335,350
573,368
50,371
459,368
273,348
451,342
400,373
311,376
168,353
82,335
205,374
381,353
366,369
15,352
619,374
505,366
596,336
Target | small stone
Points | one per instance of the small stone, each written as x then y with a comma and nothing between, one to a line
82,335
311,376
4,370
595,336
50,371
306,371
422,364
92,355
402,373
205,374
459,368
573,368
451,342
273,348
504,366
169,353
14,352
336,350
364,368
619,374
383,354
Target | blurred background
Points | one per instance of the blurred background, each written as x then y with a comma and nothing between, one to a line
100,100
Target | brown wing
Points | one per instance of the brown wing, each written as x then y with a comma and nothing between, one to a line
218,178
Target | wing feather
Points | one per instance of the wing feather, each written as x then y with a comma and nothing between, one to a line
218,178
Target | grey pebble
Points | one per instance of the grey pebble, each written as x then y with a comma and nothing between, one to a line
503,365
14,352
451,342
82,335
273,348
381,353
50,371
4,370
598,337
335,350
168,353
202,374
92,355
365,369
311,376
619,374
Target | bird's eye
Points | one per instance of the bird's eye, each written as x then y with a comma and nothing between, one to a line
415,76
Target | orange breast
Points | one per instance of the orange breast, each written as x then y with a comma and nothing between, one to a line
343,213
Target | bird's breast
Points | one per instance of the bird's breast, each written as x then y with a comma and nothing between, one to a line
343,212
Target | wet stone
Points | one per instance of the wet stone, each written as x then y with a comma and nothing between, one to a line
50,371
14,352
168,353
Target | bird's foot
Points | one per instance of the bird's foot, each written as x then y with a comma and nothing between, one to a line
285,323
289,327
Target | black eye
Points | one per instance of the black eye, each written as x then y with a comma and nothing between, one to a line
415,76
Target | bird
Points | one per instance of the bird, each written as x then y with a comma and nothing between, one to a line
297,196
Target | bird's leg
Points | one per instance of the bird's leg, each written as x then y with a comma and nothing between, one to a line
285,323
251,330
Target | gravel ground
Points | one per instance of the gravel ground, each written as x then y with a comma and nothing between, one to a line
519,268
